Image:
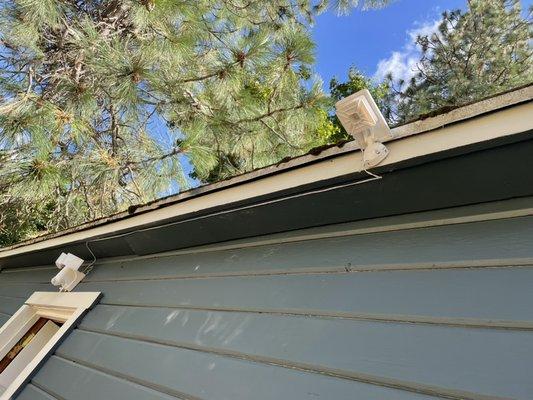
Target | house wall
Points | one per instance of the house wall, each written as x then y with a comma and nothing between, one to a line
422,308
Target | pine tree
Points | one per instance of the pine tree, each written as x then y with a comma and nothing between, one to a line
474,54
104,101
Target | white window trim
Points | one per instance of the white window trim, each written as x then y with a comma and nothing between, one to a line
67,308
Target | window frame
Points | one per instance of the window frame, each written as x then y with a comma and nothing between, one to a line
65,307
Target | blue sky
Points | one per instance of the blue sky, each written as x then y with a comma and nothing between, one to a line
364,38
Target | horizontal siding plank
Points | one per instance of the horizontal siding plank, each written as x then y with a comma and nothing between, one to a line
28,275
31,392
498,362
488,240
22,290
4,318
9,305
490,293
209,376
70,381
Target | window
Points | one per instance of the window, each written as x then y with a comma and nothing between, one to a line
33,333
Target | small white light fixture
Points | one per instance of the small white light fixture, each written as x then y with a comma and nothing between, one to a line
69,276
362,119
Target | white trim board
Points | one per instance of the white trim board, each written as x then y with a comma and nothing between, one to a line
67,308
37,343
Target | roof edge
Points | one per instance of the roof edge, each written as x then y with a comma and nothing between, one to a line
341,153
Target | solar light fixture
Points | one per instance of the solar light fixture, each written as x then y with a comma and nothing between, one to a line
361,118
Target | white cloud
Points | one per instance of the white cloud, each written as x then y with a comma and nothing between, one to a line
402,64
425,29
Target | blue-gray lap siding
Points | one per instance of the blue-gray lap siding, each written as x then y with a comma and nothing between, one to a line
410,314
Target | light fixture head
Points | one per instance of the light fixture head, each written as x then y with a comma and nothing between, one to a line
356,114
360,116
69,276
69,260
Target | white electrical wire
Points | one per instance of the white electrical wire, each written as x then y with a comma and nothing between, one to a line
89,267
